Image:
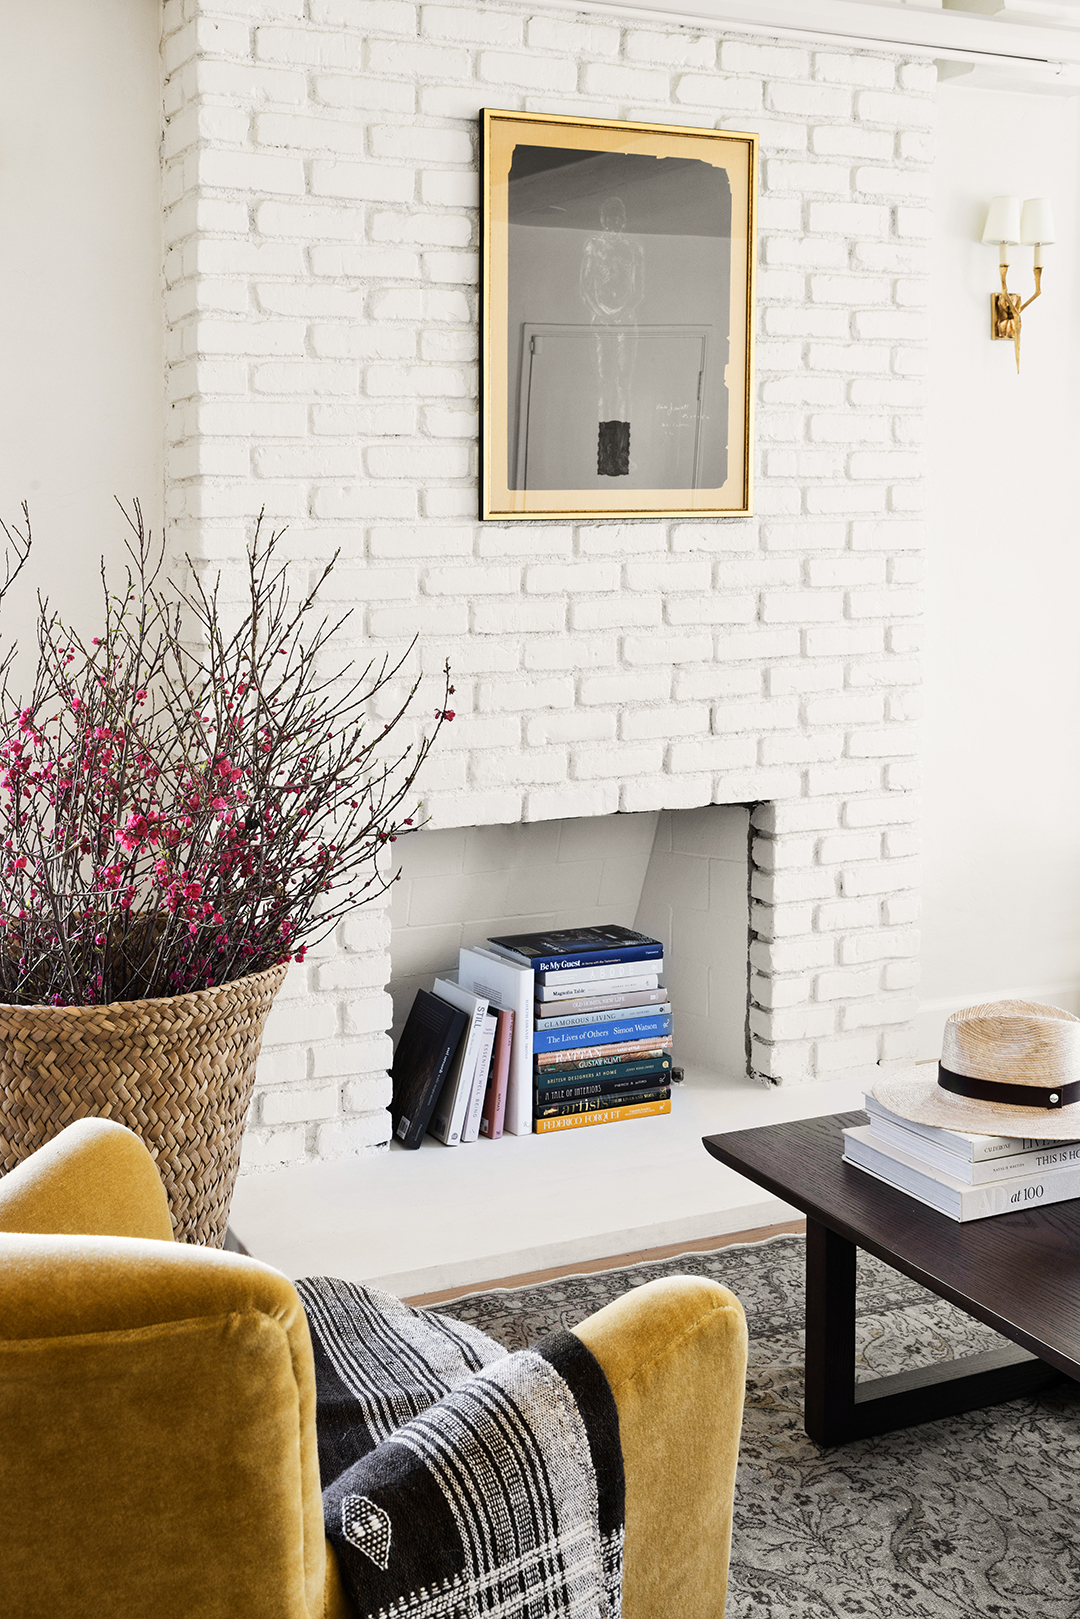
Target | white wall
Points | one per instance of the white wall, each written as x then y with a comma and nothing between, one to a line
1002,728
81,320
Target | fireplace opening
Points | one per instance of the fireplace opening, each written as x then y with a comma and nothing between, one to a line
681,875
415,1222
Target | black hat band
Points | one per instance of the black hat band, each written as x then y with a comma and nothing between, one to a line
996,1090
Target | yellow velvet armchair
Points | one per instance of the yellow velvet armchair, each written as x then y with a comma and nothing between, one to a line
157,1414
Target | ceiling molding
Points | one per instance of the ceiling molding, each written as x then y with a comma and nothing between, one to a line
1001,40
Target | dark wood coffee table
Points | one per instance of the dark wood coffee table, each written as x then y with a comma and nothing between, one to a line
1019,1273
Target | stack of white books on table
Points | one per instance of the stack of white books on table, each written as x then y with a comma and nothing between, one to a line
967,1177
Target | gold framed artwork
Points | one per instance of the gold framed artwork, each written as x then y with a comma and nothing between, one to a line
617,304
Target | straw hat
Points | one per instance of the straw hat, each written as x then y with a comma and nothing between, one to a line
993,1059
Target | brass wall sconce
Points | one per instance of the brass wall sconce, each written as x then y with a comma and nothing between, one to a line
1008,224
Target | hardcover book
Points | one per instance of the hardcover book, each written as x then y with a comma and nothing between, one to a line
973,1147
449,1117
596,1032
494,1109
595,1104
609,974
609,1115
569,949
600,989
432,1034
578,1090
975,1171
620,1052
607,1076
508,985
471,1129
560,1019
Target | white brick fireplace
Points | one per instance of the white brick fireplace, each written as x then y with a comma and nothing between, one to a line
321,232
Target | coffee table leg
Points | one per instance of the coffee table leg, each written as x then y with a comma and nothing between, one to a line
830,1335
838,1410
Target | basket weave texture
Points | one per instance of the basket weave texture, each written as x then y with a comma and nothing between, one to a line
179,1071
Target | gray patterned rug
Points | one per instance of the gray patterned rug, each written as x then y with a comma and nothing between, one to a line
975,1517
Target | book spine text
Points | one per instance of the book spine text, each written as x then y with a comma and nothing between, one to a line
611,1115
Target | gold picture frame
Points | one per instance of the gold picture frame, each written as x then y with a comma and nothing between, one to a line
617,318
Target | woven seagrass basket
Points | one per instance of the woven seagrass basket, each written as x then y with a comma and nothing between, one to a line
178,1071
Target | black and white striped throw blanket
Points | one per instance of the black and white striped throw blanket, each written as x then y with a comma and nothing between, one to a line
460,1480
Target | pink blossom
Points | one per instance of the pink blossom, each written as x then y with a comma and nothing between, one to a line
204,823
134,833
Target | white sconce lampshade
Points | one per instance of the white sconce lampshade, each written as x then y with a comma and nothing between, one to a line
1037,221
1003,221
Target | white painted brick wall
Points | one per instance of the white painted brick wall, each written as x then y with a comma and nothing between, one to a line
321,271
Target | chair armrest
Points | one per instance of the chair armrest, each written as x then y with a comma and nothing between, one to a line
674,1353
159,1459
94,1176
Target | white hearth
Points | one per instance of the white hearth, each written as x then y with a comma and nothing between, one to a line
415,1222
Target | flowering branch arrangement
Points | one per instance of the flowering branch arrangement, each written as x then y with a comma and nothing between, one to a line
181,804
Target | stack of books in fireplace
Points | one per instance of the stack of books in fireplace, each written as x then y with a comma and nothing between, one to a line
601,1043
